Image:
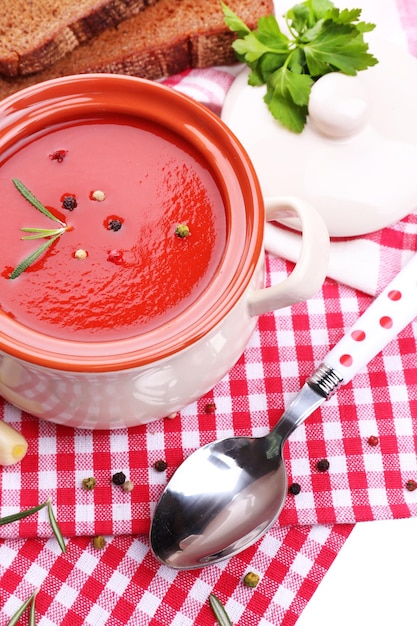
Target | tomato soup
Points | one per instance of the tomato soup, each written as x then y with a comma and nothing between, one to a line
146,229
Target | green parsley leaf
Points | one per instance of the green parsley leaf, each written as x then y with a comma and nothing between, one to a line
234,22
322,39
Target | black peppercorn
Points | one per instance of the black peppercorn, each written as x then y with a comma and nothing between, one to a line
114,225
323,465
119,478
160,465
69,202
294,489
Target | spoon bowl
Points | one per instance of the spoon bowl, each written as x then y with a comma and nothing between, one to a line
228,493
218,502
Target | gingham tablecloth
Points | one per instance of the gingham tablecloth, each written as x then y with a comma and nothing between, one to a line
123,583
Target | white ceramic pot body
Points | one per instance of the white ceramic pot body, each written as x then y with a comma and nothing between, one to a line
107,385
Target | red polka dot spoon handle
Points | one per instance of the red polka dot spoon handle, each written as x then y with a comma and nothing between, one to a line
390,312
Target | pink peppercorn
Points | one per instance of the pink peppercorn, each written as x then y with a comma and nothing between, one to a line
115,256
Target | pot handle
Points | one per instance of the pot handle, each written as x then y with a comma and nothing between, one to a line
310,270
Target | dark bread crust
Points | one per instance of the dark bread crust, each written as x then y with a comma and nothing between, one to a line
165,39
34,35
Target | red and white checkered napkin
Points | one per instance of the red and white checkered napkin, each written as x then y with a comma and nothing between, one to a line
123,585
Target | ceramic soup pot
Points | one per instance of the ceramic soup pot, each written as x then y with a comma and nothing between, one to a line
132,255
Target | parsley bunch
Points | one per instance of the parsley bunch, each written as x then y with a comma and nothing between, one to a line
321,39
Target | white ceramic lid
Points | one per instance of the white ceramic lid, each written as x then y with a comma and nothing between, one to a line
356,159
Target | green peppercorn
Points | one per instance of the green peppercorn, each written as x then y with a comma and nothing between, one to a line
182,231
251,579
99,542
89,483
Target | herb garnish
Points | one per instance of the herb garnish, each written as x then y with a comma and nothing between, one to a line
51,234
59,537
322,39
219,611
32,617
14,517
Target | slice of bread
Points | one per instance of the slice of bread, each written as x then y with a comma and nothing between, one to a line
164,39
34,34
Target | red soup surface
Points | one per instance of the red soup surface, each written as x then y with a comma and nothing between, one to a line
138,273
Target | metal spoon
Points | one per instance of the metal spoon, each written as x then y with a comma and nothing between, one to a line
227,494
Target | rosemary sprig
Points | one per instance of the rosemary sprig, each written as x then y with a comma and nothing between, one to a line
55,528
32,612
28,195
41,233
32,257
32,616
14,517
51,234
219,611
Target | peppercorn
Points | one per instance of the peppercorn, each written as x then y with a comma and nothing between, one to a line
69,202
373,441
160,465
89,483
210,407
323,465
99,542
97,195
411,485
128,486
294,489
80,254
58,155
114,225
115,256
251,579
182,231
119,478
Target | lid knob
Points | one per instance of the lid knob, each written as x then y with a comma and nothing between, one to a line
338,105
